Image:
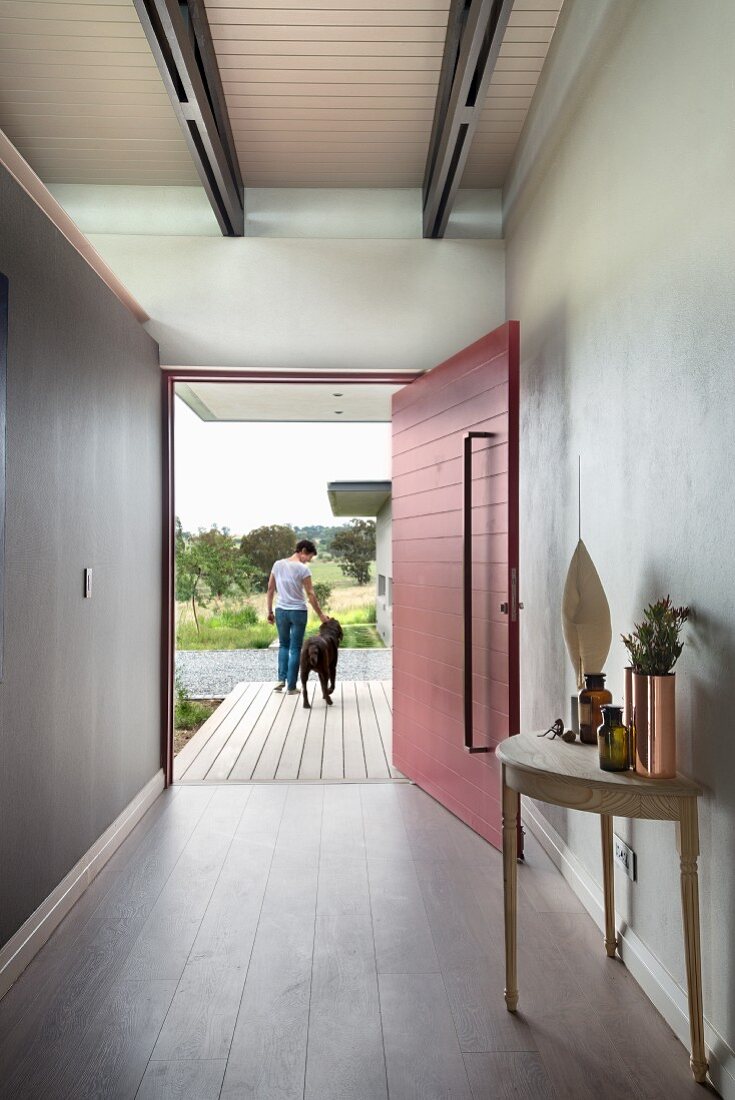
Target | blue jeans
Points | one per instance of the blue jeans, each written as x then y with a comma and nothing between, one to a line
291,627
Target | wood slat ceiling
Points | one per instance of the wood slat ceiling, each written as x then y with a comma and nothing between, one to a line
319,92
330,92
81,97
522,55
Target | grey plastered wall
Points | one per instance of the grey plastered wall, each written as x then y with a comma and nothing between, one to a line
620,244
80,699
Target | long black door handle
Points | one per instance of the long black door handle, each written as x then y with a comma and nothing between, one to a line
467,586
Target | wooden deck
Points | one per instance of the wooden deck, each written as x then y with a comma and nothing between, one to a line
259,734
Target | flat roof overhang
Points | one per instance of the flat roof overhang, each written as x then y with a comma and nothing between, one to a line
358,498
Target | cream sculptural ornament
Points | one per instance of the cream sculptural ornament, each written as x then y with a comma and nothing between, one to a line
585,616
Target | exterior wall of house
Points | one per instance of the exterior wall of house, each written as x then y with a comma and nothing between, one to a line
80,698
384,570
620,242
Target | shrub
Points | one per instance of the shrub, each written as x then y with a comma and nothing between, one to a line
323,592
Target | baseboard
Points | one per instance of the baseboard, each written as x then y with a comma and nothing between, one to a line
31,936
654,979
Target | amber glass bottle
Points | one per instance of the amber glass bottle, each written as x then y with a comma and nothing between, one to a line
612,739
592,696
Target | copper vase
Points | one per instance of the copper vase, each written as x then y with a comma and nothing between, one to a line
628,713
654,724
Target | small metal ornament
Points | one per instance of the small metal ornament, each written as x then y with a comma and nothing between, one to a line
557,730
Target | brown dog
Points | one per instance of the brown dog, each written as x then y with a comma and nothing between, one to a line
319,654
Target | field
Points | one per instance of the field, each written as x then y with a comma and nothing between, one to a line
352,604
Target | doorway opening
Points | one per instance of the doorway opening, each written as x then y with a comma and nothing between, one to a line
255,464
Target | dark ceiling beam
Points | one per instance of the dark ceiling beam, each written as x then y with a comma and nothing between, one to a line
179,36
474,35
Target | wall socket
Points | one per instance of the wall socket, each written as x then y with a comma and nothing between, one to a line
625,857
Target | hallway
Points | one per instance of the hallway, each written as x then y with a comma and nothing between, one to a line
331,942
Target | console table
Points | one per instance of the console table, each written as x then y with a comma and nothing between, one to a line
569,775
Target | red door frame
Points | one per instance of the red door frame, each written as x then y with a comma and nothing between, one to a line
169,378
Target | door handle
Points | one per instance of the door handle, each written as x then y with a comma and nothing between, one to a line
467,588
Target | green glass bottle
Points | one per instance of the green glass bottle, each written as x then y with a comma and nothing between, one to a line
612,739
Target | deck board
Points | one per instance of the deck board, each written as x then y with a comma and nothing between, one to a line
375,758
333,759
293,750
354,749
257,734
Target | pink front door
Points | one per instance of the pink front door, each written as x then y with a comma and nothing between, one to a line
455,576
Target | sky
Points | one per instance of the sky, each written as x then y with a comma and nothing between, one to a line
243,476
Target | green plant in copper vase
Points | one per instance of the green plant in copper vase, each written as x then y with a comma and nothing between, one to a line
654,646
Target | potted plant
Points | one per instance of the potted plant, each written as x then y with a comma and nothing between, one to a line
654,648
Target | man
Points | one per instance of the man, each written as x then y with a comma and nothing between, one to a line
291,578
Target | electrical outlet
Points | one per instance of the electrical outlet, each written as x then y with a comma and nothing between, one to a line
625,857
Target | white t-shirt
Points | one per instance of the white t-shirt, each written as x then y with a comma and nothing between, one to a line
290,577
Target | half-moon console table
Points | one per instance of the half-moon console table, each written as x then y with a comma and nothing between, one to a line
569,775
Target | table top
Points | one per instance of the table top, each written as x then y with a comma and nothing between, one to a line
577,761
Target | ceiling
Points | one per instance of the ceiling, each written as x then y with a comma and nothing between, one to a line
81,96
319,92
358,498
329,402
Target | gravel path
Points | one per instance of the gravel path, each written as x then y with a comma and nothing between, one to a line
212,673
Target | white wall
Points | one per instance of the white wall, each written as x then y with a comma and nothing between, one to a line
321,212
620,236
384,567
311,304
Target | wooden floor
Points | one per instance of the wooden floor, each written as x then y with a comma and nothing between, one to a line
259,734
329,942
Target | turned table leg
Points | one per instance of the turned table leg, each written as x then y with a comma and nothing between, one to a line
608,882
687,831
511,802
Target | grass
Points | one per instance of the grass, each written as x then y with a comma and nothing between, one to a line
212,635
241,624
363,613
362,637
189,716
330,572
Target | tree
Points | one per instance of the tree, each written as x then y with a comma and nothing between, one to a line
224,563
265,545
355,548
208,564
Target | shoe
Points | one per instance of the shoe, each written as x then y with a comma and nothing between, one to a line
280,685
294,691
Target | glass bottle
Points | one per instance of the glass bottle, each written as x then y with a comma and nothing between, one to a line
612,739
592,696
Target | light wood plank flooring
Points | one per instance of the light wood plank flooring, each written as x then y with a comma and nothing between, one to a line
259,734
330,942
